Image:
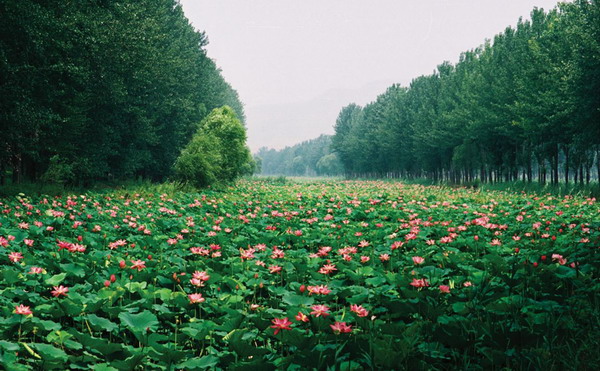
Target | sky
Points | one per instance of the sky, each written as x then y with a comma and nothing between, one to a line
295,64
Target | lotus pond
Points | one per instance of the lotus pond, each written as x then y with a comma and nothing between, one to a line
348,275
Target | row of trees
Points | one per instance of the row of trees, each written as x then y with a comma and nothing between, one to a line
525,106
100,89
309,158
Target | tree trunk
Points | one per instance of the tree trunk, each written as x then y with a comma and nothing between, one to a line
598,163
555,165
566,150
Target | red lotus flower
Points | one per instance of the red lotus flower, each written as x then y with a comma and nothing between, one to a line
59,290
320,310
281,324
341,328
23,310
301,317
64,245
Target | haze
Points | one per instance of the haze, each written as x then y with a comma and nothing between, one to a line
295,64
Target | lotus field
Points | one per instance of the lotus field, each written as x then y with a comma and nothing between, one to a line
347,275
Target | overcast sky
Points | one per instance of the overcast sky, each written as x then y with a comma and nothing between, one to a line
295,64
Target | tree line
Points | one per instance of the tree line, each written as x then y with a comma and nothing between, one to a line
95,89
525,105
310,158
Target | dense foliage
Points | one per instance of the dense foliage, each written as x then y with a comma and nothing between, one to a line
217,152
362,275
312,157
523,106
101,89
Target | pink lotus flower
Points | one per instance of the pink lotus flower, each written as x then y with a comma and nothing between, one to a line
384,257
196,298
138,264
319,290
277,254
341,328
397,244
199,278
23,310
418,260
201,275
281,324
559,258
419,282
274,269
444,289
359,310
327,268
77,248
35,270
15,257
59,290
320,310
116,244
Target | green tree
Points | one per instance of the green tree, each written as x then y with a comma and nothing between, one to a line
217,152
